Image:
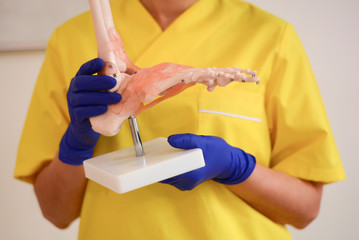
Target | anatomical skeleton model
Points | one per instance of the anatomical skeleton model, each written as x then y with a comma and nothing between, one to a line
138,86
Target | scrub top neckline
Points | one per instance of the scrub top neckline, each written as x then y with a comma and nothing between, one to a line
153,45
148,15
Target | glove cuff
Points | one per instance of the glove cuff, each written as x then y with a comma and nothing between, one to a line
243,166
75,147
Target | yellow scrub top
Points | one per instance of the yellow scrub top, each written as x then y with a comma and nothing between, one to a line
282,121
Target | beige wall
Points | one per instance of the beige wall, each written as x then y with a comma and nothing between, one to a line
20,216
329,33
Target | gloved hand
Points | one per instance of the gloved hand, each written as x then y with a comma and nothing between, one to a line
86,98
224,163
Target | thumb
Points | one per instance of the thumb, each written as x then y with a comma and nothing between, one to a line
185,141
91,67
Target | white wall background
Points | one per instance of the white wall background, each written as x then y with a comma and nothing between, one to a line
329,31
28,24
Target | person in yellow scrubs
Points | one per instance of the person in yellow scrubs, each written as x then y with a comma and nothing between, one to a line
269,147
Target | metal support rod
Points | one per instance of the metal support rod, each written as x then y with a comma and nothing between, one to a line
136,136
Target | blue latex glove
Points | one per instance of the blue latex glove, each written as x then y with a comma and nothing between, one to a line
86,98
224,163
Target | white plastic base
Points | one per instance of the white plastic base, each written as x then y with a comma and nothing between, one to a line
121,171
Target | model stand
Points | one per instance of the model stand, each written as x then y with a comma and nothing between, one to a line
122,171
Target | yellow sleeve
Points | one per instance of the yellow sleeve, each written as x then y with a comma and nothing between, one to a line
302,142
47,117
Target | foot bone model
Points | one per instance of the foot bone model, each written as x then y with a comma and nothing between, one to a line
138,86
